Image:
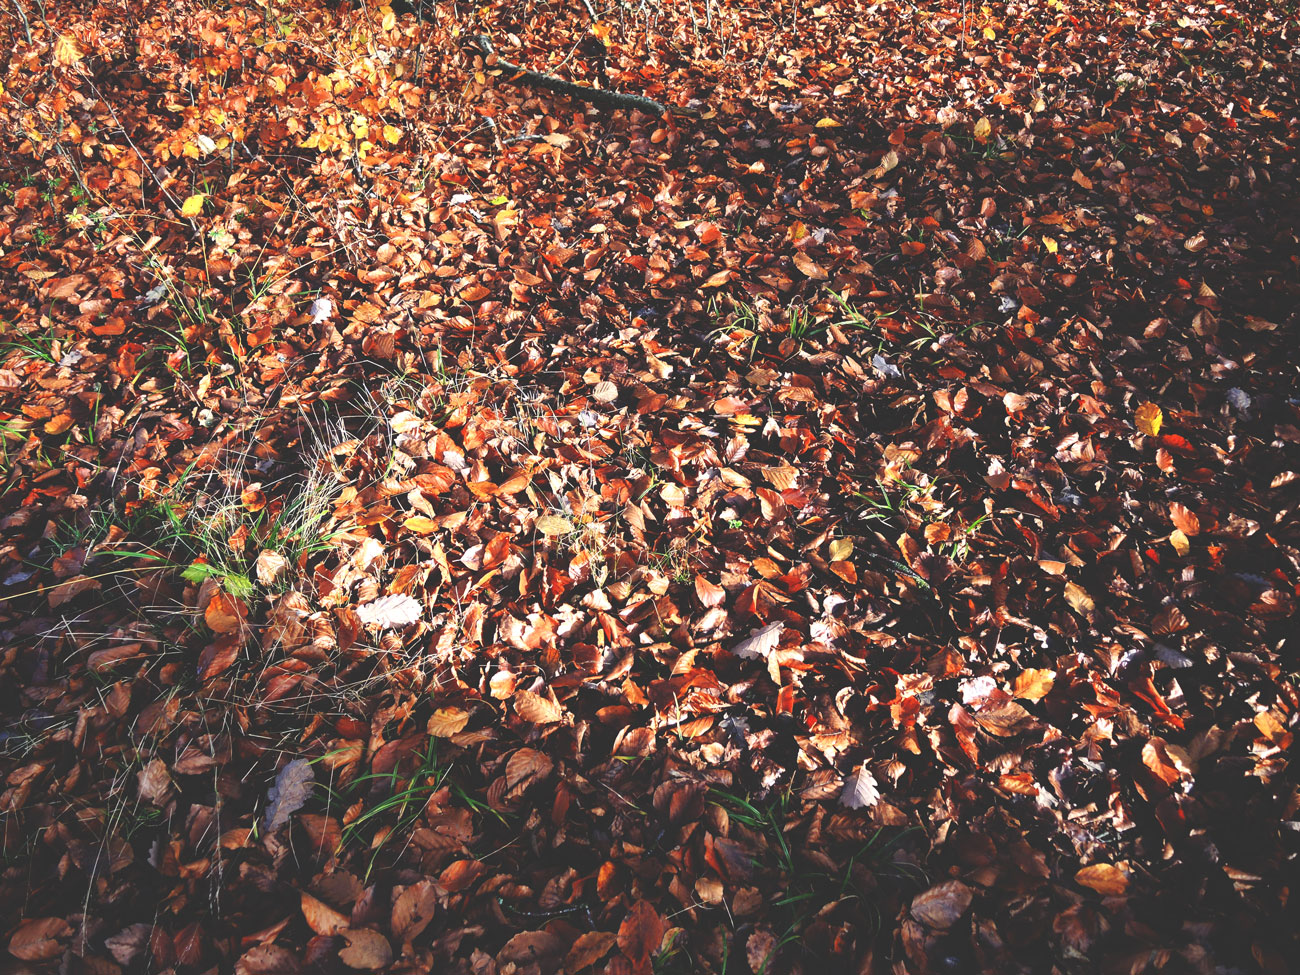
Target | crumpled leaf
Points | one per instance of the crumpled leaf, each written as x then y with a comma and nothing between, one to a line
943,904
391,612
290,793
760,643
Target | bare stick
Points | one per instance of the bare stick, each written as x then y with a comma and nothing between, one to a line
22,15
514,74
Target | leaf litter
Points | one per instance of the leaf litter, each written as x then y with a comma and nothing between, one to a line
846,523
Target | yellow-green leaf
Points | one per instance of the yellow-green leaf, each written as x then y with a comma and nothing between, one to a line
1149,418
554,525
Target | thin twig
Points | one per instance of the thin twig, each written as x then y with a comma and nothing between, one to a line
514,74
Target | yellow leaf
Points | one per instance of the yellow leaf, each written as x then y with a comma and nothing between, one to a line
990,33
1104,878
1050,244
983,129
1182,545
1149,417
1079,599
389,21
828,123
1033,684
193,206
392,134
65,50
445,722
841,549
554,525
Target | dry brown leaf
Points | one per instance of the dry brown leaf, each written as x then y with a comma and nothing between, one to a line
225,613
39,938
640,934
320,917
413,909
445,722
942,905
392,612
367,950
1079,599
537,709
589,949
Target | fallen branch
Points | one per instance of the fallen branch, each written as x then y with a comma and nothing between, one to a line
514,74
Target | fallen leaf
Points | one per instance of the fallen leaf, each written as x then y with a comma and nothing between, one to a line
943,904
860,789
1149,419
760,643
392,612
367,950
1104,878
39,938
292,789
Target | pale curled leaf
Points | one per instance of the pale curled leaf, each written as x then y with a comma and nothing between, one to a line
289,794
860,789
553,525
760,643
390,612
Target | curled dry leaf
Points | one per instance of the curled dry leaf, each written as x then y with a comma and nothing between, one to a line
156,787
320,917
942,905
760,643
225,613
367,950
270,566
290,793
390,612
39,938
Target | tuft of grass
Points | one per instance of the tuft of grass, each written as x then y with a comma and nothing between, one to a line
804,889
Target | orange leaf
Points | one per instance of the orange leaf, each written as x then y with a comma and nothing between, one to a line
322,918
1104,878
640,934
224,613
1033,684
1185,519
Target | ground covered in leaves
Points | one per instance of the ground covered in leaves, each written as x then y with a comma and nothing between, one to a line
847,523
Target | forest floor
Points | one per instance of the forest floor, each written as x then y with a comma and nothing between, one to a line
845,523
